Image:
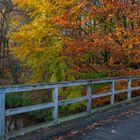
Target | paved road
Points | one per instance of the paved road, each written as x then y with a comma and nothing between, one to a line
123,124
124,127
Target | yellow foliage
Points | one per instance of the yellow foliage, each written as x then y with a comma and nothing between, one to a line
39,42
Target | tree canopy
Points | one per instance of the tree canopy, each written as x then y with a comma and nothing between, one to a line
70,39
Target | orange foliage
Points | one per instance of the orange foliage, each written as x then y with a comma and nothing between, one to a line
106,36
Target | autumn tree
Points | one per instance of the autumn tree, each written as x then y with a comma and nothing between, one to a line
38,41
64,40
103,37
8,63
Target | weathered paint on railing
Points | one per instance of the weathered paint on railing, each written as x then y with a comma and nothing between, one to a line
2,114
56,102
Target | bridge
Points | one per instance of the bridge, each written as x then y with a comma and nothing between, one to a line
68,122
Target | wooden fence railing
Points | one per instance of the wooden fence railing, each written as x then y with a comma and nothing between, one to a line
56,102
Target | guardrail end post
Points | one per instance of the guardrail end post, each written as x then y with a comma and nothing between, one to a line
2,115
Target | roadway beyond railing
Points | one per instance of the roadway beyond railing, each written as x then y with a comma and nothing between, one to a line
56,102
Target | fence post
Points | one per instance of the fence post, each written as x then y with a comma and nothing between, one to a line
129,89
89,95
113,93
55,109
2,115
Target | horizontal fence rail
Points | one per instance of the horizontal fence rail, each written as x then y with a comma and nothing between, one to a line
56,102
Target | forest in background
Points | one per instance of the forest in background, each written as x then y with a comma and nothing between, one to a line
51,41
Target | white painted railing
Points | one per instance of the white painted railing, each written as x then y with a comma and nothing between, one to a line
56,102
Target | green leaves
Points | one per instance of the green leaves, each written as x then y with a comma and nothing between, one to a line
39,42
